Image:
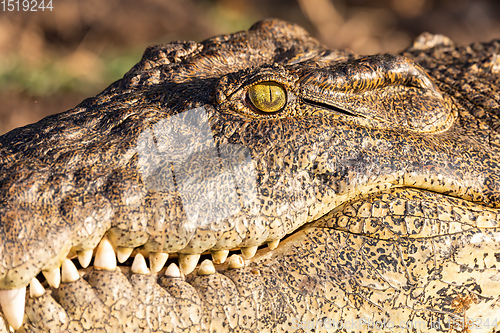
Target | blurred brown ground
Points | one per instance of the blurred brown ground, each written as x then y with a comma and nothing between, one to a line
51,60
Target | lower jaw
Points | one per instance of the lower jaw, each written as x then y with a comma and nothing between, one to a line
270,290
105,265
45,308
114,297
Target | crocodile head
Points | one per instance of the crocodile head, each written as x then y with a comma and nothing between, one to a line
378,174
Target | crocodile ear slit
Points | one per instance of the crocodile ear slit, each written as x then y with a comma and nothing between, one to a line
390,89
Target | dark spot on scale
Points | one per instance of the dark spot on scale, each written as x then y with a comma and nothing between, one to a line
411,260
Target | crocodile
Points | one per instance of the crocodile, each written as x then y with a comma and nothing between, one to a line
261,182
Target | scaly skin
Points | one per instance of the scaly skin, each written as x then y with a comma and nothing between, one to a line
382,170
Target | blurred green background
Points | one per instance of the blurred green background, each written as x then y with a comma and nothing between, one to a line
51,60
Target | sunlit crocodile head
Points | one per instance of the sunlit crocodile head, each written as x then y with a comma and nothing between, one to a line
244,140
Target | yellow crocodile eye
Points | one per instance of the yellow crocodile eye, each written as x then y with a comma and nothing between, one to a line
267,96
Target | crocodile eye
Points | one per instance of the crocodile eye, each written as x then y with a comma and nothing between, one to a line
267,96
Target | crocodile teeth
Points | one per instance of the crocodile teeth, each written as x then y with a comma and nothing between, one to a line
219,256
69,272
53,277
274,244
84,257
235,261
12,304
173,271
123,253
157,260
188,262
139,265
105,258
248,252
206,267
36,288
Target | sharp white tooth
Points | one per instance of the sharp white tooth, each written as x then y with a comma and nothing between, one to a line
84,257
173,271
188,262
139,265
53,277
219,256
69,272
123,253
206,267
235,262
274,244
157,260
12,304
36,288
105,258
248,252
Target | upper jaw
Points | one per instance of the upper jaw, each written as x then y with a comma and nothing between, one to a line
207,178
223,194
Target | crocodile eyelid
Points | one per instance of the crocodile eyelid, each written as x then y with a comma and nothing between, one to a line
389,88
